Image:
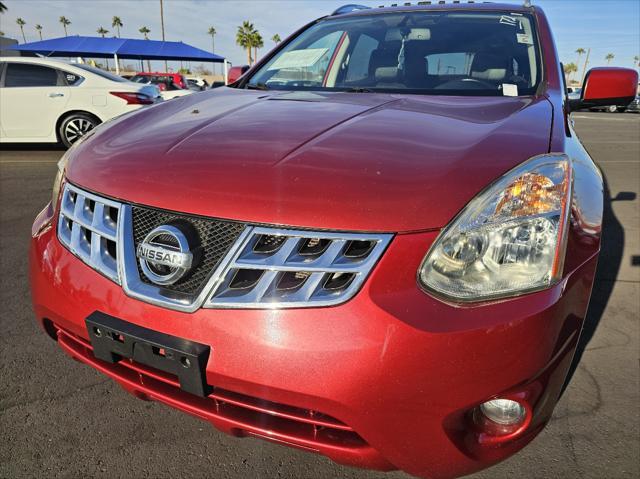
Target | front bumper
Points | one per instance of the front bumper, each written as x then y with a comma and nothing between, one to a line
383,381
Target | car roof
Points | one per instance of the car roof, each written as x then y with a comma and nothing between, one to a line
437,6
38,60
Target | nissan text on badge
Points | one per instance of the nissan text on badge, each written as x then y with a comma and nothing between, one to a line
378,244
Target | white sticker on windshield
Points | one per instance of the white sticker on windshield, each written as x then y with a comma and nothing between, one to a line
524,38
507,20
298,59
509,89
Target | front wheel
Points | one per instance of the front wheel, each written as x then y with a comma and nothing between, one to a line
75,126
612,109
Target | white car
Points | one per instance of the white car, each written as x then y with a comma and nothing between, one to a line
44,100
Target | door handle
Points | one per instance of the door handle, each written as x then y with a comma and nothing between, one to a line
54,95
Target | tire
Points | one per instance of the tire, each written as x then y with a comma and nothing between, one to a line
612,109
74,126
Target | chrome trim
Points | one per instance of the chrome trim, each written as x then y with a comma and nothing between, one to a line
263,294
102,228
133,286
216,292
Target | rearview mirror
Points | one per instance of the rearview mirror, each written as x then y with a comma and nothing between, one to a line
604,86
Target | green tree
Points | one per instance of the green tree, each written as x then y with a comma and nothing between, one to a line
244,37
117,23
3,8
609,57
102,31
257,42
39,29
636,61
65,23
21,23
569,69
276,39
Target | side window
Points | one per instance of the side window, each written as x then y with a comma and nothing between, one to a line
358,68
27,75
71,78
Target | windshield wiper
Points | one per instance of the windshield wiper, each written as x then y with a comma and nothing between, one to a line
357,90
256,86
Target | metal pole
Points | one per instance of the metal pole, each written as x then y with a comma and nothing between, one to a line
162,25
226,72
115,59
584,70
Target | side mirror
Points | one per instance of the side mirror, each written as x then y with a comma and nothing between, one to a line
236,72
604,86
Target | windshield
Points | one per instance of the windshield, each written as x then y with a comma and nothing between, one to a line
445,53
102,73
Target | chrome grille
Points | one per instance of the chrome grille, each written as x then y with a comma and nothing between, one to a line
87,226
305,268
246,266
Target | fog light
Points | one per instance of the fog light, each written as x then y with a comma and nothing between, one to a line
503,411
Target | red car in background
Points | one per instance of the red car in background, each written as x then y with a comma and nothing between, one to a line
378,244
171,85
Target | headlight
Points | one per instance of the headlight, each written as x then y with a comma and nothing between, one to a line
509,239
62,165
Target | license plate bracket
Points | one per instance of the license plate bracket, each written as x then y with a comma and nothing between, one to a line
114,339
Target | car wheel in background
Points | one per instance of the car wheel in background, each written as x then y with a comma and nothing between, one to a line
75,126
612,109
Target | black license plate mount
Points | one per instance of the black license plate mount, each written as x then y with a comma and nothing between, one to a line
113,339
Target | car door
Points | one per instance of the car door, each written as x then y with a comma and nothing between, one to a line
32,98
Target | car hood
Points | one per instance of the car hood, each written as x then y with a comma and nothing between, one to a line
347,161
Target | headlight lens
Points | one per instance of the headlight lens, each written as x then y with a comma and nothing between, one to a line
509,239
57,182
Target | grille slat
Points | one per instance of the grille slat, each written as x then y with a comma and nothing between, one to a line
329,260
86,231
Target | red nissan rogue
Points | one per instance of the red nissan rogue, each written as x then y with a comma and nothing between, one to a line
378,244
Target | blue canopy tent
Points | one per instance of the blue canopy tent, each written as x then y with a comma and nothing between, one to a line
119,48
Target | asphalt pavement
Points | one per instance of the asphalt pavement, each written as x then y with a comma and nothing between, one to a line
59,418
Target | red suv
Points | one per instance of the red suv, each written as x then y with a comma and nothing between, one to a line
378,244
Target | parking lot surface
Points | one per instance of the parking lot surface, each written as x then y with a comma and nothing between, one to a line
61,419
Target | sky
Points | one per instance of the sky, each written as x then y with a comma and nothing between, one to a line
604,26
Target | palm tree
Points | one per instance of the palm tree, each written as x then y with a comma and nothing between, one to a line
257,42
609,57
3,8
65,23
144,30
244,37
276,39
580,52
1,33
212,32
636,61
21,23
39,29
117,23
102,31
570,68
